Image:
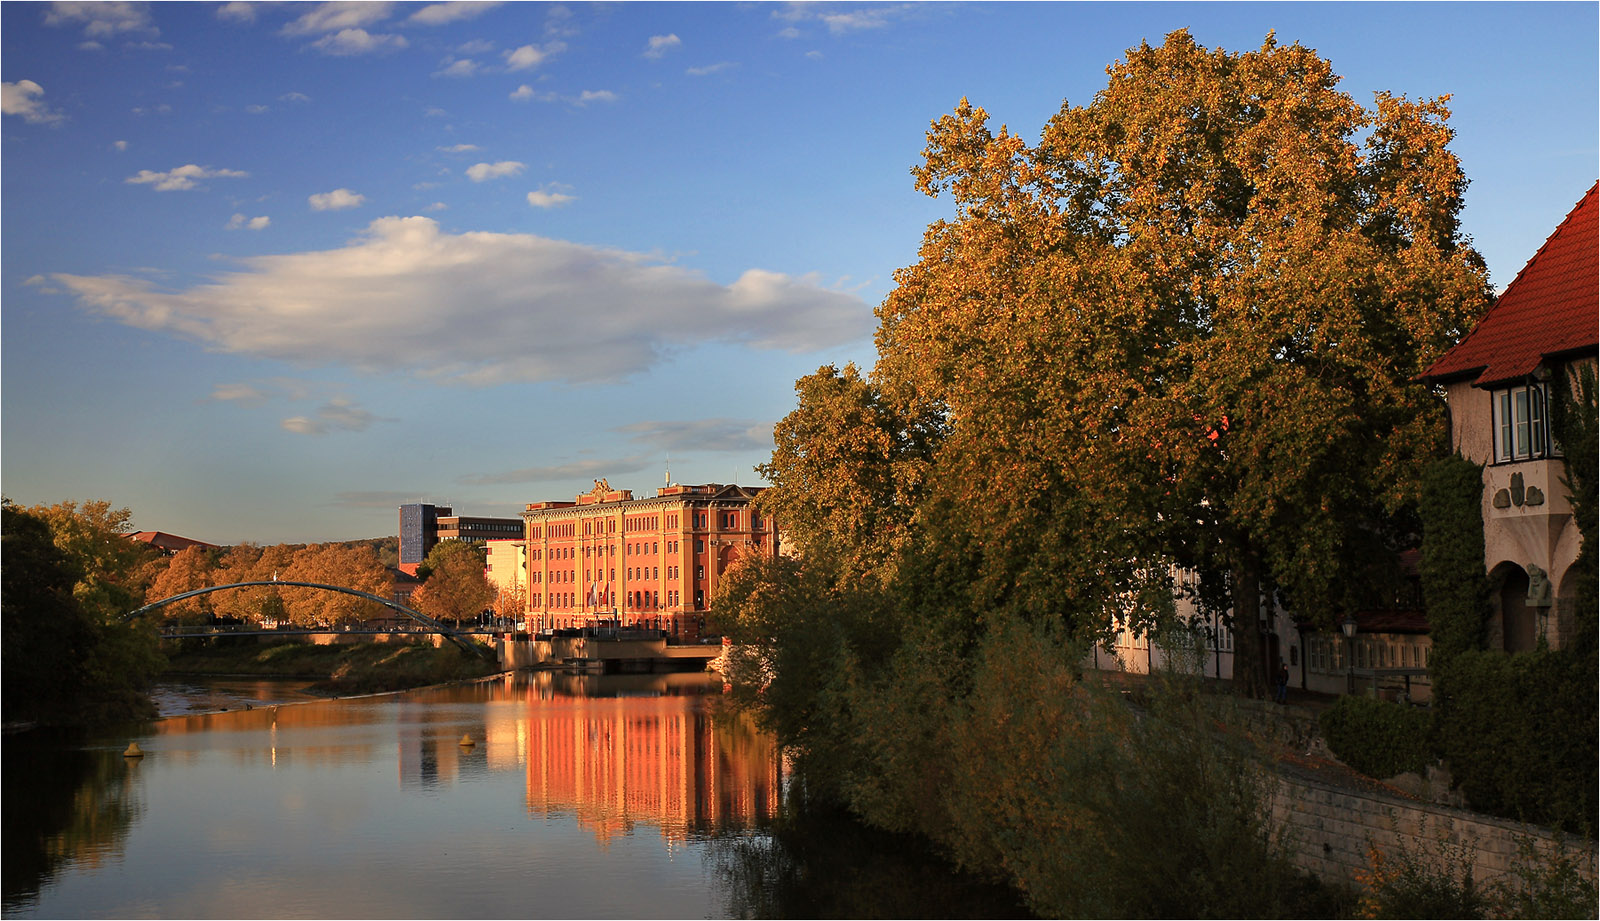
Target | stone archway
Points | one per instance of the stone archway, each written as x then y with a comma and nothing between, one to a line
1519,621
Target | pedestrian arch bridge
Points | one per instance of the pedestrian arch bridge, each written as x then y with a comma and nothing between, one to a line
431,625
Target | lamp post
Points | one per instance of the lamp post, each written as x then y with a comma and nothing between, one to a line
1348,626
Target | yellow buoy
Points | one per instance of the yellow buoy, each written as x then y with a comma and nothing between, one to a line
466,741
134,751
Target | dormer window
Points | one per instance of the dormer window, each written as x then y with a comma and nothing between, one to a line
1521,423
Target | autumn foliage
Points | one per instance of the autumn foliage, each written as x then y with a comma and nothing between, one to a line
1179,331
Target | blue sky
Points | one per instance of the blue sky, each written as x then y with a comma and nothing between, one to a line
271,270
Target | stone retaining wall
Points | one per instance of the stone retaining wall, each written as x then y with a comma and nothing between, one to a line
1333,829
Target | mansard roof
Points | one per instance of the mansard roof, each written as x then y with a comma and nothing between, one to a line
1549,311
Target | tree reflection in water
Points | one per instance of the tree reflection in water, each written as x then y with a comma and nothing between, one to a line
63,805
817,862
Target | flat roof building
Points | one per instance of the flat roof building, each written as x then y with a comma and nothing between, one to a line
609,558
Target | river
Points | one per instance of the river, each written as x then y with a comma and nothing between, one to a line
535,794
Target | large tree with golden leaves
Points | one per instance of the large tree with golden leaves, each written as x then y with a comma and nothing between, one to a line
1180,328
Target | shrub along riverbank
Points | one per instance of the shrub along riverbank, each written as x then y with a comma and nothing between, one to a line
339,669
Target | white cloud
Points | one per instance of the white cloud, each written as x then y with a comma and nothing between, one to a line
257,109
660,45
437,206
522,92
437,14
460,148
588,96
338,16
476,46
120,145
237,11
478,308
101,20
26,98
254,223
182,178
478,172
549,196
349,42
528,56
465,67
337,200
294,97
710,68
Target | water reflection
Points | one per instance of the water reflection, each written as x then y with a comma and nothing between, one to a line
579,796
62,805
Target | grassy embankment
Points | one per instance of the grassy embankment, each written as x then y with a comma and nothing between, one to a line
339,669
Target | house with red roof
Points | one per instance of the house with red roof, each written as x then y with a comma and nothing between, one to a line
168,544
1497,381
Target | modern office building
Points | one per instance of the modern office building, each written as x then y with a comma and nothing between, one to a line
609,558
423,526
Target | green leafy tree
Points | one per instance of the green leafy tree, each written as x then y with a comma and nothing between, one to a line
455,586
69,658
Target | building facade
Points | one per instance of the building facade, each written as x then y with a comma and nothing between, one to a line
607,558
1498,381
423,526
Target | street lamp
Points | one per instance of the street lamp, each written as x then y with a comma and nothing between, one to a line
1348,625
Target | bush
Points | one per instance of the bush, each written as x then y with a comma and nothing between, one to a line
1411,884
1377,737
1520,734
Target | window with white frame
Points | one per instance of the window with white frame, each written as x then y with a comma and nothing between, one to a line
1521,423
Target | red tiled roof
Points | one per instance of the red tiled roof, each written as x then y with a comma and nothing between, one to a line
1548,310
171,543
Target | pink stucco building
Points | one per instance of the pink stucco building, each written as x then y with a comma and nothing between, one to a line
1498,383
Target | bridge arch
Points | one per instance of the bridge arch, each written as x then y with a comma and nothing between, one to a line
412,613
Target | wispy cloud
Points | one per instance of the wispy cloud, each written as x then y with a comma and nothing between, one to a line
575,470
551,195
238,393
702,434
481,172
337,414
526,93
660,45
373,499
351,42
460,148
239,221
237,11
337,200
840,20
530,56
479,308
457,67
336,17
438,14
710,68
26,98
182,178
101,20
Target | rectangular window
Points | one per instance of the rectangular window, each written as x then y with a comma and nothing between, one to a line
1521,423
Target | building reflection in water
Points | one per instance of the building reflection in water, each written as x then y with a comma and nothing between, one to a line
612,752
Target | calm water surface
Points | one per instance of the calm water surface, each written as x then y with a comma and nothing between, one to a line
581,797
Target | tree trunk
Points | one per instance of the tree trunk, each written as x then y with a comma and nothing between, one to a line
1249,664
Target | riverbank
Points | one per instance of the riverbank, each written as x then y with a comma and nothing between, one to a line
362,668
